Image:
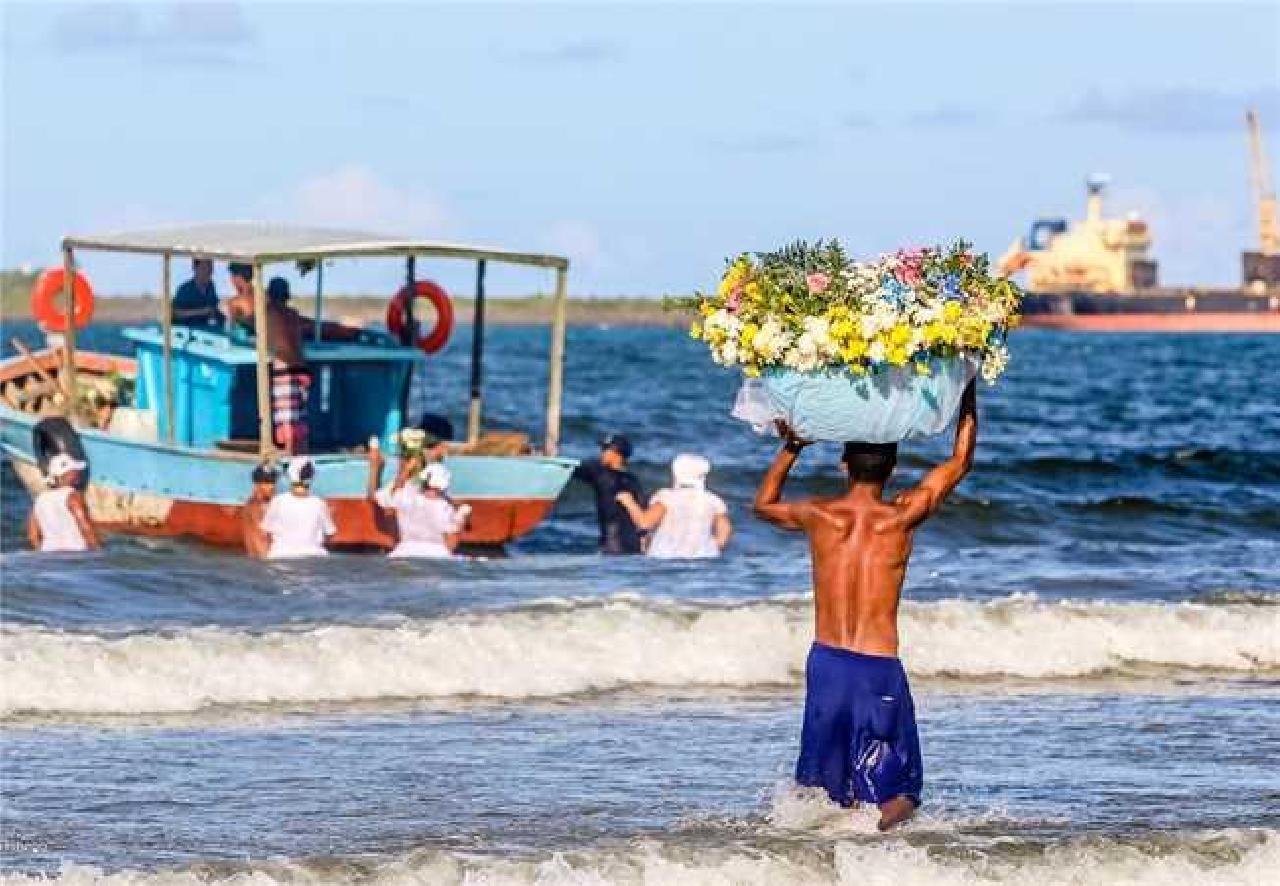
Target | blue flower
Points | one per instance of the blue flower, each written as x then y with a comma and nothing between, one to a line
894,291
950,287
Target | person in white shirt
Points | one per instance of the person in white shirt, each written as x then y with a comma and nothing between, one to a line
686,520
297,521
429,524
60,520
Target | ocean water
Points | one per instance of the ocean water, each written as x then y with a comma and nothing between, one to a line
1091,625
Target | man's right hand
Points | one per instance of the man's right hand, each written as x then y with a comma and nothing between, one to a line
790,439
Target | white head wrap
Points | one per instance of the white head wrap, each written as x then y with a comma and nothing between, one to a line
690,470
436,476
300,470
62,463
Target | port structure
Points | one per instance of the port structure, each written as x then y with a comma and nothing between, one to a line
1260,270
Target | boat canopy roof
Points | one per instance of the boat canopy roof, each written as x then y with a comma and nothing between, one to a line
266,242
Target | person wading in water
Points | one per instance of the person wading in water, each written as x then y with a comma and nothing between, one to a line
858,739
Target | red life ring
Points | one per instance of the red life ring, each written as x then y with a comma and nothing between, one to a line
48,291
398,313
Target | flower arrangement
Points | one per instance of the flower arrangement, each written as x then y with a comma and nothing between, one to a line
412,441
810,308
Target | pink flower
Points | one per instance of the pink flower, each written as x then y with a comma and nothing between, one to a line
734,300
910,269
817,282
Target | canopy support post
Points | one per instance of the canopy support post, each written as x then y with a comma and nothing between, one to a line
317,332
477,357
555,374
166,331
266,437
410,283
69,336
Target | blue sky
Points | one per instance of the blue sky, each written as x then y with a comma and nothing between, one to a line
645,141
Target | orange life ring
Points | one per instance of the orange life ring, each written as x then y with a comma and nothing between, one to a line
48,290
398,313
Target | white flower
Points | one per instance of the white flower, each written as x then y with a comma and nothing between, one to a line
994,363
876,351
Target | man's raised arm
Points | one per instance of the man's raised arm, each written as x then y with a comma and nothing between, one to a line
768,504
923,501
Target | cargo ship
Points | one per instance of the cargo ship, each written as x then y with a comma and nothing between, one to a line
1097,274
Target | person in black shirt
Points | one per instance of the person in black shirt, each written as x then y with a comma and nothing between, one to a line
607,476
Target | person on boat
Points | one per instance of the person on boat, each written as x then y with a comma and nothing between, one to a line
428,523
298,521
256,541
290,375
60,521
608,476
196,301
859,739
685,520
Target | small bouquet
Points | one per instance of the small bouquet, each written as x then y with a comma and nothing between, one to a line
858,350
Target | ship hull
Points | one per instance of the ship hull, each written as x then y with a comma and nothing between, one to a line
1179,310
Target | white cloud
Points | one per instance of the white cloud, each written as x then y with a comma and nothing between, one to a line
1176,110
162,32
353,196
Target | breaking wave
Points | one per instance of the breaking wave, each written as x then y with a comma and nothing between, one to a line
1238,858
568,647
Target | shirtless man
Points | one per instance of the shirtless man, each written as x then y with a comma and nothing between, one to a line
859,736
290,375
256,541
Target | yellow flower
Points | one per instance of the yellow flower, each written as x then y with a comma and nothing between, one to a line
748,336
898,356
752,291
952,311
900,334
695,331
943,332
854,350
751,371
923,369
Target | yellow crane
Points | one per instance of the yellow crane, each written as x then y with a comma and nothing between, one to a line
1261,269
1268,230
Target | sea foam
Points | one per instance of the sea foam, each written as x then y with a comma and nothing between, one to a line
1240,858
575,647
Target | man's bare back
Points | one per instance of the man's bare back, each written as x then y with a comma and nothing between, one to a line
860,543
859,739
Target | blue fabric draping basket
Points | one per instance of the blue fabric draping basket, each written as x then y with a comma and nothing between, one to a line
888,406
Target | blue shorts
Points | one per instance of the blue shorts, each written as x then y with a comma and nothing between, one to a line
859,739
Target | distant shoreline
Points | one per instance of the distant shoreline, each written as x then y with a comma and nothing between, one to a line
520,311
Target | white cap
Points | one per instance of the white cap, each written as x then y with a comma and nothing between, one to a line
690,470
64,464
436,476
300,470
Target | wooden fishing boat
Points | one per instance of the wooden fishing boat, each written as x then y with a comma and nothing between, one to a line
172,434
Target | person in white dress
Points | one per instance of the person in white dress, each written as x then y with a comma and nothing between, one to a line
297,521
428,523
685,520
60,521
